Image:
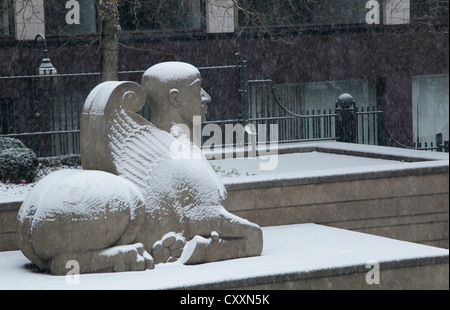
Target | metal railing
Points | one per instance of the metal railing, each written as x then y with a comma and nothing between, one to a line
348,124
44,111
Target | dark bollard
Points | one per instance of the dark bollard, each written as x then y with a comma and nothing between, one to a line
442,146
346,121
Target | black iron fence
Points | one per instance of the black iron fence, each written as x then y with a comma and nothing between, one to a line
44,111
438,145
346,123
259,105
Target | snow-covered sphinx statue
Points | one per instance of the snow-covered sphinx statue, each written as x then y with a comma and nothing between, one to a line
145,195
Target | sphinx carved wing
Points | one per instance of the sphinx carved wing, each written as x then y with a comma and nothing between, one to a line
137,146
124,143
114,138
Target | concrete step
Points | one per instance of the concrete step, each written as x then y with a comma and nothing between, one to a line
301,256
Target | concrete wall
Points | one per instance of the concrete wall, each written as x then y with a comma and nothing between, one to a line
420,274
8,215
410,208
430,277
405,204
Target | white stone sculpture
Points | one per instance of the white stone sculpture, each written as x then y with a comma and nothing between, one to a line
142,190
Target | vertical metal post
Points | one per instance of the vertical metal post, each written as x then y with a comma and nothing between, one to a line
238,71
245,107
242,86
439,142
380,125
346,121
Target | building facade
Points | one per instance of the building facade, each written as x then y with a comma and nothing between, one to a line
391,55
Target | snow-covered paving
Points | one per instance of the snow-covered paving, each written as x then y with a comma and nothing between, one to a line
292,166
287,249
296,162
303,165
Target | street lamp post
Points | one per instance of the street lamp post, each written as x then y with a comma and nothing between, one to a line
45,79
45,68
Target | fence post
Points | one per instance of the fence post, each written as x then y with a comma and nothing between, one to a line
346,122
439,142
442,146
242,86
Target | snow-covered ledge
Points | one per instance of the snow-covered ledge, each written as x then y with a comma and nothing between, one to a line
305,256
312,163
397,193
325,161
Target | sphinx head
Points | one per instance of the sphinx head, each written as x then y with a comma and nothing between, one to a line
175,95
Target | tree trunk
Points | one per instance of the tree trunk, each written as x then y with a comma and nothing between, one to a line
110,40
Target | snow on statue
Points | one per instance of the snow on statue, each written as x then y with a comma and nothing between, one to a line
157,201
76,215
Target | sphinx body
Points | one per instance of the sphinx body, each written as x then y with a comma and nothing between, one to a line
76,215
144,196
182,193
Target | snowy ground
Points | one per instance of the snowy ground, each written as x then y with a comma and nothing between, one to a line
294,163
17,192
287,249
329,162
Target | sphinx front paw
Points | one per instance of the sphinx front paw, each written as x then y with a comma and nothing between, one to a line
195,250
169,248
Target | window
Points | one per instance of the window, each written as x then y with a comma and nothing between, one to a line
321,97
396,12
302,12
429,10
430,108
28,19
318,96
4,15
219,16
161,15
315,98
56,17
